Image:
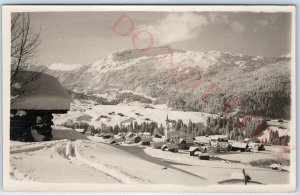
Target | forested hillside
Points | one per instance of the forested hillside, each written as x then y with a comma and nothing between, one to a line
246,84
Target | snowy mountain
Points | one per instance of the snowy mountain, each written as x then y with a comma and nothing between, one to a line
162,56
180,78
64,67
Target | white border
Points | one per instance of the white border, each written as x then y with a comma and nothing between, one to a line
12,185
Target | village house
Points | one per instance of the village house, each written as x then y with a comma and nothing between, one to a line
132,138
183,140
36,98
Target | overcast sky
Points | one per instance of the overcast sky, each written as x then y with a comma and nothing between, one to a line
85,37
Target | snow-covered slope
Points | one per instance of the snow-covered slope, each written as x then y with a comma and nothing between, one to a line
165,58
87,111
164,75
129,68
64,67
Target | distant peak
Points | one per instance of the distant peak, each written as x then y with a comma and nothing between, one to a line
136,53
64,67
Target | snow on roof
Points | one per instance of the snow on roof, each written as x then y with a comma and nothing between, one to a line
130,135
79,130
246,139
181,140
218,136
129,120
197,153
157,133
239,145
202,139
112,141
157,140
42,92
193,148
275,166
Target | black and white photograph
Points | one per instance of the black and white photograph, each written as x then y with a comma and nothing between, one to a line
149,98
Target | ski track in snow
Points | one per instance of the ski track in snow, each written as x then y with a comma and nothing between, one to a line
79,161
69,150
32,147
121,176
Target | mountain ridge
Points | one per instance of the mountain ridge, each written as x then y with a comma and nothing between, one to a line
261,84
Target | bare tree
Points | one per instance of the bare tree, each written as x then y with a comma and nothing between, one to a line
24,44
24,47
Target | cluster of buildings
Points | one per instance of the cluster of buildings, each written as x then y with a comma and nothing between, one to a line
128,138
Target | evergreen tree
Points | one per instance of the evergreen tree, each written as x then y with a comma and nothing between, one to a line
190,127
232,135
110,129
178,125
184,128
92,129
208,121
116,129
271,136
236,123
219,122
276,139
217,130
208,130
161,129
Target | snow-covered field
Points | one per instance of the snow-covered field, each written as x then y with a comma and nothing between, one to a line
226,166
87,161
92,162
87,111
74,158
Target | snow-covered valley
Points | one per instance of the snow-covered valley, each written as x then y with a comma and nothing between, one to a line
86,161
88,111
75,158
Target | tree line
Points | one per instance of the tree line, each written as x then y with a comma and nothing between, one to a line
135,127
235,128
